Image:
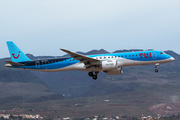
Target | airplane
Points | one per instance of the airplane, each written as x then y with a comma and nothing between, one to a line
111,64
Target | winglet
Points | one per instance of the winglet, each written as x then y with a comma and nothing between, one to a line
67,51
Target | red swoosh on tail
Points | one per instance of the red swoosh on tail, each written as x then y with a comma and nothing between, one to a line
15,56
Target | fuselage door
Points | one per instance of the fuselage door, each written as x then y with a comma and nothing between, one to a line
154,55
37,64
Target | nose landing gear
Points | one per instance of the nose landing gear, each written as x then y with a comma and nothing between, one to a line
156,70
156,65
92,75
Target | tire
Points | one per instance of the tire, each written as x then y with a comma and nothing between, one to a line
94,77
90,74
156,70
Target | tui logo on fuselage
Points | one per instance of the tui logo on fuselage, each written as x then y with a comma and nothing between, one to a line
146,55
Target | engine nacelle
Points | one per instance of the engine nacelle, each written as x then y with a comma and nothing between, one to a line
115,71
111,64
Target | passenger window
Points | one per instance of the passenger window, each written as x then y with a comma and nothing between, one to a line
133,55
129,55
121,56
125,55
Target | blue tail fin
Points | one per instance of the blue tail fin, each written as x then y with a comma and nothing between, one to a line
16,54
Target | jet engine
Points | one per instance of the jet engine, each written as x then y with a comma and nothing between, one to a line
115,71
111,64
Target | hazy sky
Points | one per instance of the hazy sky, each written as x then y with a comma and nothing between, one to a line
41,27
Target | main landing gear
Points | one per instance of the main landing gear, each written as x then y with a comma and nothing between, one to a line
156,65
92,75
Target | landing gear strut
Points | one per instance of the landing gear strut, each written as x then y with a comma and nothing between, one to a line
156,65
92,75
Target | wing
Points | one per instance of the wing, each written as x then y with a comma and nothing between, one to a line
88,61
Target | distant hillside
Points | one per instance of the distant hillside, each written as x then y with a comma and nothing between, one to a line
16,75
92,52
161,99
131,50
16,92
22,86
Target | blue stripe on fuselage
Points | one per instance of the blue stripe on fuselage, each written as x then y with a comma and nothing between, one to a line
55,65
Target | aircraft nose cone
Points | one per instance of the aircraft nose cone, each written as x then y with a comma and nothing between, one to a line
172,59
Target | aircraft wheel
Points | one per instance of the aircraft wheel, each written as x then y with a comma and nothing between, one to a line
90,74
156,70
94,77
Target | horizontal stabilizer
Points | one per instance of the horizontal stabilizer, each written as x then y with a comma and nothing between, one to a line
14,63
